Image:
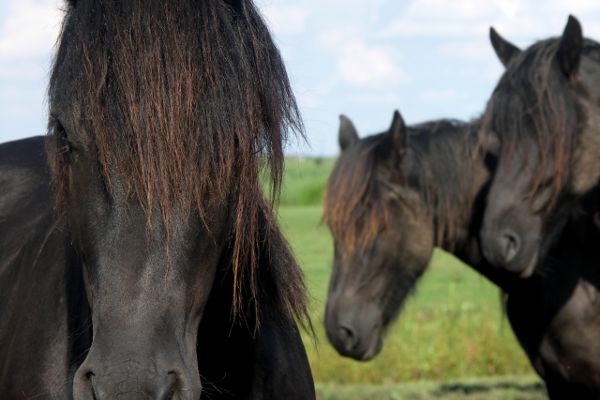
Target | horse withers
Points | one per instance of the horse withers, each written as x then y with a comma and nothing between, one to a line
544,114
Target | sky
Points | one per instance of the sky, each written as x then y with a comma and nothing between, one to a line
429,59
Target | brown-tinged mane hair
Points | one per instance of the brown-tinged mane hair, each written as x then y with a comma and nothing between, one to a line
533,106
439,165
184,101
354,207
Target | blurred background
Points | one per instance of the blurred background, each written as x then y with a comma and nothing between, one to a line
428,58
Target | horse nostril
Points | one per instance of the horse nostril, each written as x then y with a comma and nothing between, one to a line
169,394
510,245
348,337
171,386
84,386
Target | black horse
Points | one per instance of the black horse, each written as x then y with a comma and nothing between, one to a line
393,196
544,112
153,266
45,329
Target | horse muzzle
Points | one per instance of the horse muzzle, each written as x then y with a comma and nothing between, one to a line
355,332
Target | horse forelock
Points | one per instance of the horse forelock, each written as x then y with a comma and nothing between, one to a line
534,109
355,210
439,170
183,102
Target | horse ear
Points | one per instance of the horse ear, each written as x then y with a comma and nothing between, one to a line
398,134
489,141
571,46
504,49
347,134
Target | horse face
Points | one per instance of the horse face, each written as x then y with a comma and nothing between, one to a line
166,138
514,216
371,277
146,287
368,286
529,196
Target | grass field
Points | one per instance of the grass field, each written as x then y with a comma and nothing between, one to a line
451,328
495,388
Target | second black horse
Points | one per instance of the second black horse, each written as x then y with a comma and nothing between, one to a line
393,196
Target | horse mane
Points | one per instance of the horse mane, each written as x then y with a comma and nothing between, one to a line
533,102
354,209
440,157
186,102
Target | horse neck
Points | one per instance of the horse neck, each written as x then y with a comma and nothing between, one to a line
451,174
586,154
468,170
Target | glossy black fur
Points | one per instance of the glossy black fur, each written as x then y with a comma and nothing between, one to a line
162,116
45,325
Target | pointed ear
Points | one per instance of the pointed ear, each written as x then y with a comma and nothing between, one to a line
489,141
570,47
504,49
347,134
398,133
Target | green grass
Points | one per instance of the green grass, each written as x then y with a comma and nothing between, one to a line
451,327
502,388
451,336
305,180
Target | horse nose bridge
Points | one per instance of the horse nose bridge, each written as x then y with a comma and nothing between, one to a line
349,311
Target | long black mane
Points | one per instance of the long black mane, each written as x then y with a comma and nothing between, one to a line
184,101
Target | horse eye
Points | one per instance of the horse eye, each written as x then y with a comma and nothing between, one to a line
61,134
64,144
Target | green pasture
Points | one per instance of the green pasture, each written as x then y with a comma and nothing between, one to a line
451,340
488,388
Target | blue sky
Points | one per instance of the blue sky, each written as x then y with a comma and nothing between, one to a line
428,58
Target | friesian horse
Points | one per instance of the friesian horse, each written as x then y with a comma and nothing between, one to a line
545,114
152,265
392,196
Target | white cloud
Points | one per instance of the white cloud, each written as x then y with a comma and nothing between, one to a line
363,65
29,29
286,18
527,19
430,18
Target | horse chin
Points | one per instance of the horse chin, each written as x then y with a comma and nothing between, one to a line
530,268
374,349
